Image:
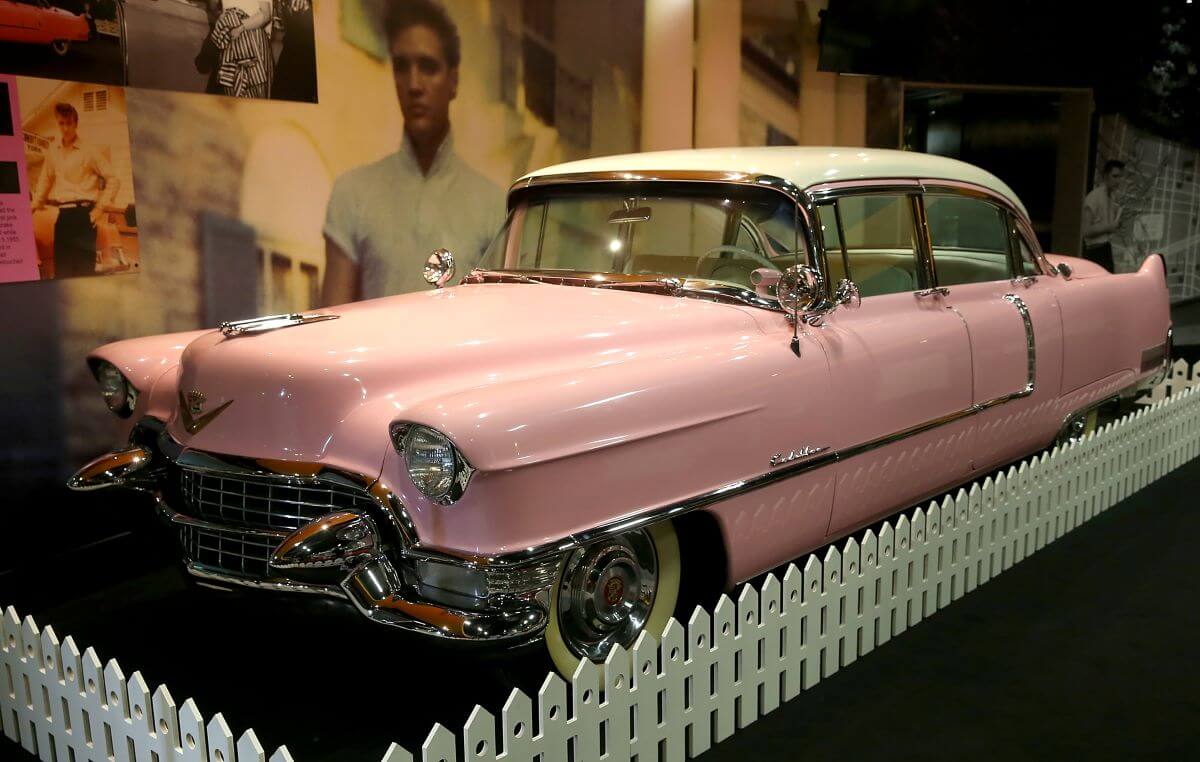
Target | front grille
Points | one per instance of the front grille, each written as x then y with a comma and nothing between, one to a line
233,551
278,503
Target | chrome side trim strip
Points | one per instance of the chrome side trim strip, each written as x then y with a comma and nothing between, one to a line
1030,343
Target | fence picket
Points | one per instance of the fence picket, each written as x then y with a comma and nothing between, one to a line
517,716
479,734
617,676
441,745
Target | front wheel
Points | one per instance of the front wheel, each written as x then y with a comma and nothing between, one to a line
61,47
612,591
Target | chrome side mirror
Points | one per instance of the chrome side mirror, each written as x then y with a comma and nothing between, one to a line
846,294
439,268
799,289
1064,270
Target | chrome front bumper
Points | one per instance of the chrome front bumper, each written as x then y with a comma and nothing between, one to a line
385,575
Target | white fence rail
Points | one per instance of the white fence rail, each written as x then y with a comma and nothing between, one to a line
666,700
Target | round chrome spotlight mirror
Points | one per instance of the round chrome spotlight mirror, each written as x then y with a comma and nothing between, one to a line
846,294
799,289
439,268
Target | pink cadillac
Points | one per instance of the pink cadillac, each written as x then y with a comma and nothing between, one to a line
671,371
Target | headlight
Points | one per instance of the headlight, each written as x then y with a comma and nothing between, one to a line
434,465
118,393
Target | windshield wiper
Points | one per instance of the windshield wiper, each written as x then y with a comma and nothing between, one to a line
502,276
671,286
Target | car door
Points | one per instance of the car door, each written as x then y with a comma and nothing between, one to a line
18,20
1011,316
900,362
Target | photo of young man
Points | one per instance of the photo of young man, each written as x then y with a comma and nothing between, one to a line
1102,215
78,178
383,219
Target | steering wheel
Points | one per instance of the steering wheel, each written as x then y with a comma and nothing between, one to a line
718,250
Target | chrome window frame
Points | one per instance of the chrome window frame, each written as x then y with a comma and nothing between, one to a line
917,188
807,200
804,218
1017,217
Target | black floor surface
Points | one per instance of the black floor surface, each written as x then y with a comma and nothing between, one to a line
1087,649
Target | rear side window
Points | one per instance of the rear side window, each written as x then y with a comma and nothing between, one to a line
970,239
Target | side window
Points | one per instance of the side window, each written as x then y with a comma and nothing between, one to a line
1025,255
969,237
871,240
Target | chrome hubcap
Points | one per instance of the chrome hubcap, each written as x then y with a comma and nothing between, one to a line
606,594
1075,429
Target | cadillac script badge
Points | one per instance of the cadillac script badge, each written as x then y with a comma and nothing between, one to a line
807,451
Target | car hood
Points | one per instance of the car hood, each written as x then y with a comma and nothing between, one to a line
513,373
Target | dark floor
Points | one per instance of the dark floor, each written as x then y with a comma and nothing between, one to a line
1086,649
330,685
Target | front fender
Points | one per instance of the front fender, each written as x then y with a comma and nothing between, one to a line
151,364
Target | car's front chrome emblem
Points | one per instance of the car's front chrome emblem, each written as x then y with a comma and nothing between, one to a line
807,451
191,407
195,402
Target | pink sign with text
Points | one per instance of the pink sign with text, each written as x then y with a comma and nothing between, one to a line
18,252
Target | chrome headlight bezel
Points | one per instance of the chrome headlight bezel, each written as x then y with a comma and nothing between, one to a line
403,438
119,394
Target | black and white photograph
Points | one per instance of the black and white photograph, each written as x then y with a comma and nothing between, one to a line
237,48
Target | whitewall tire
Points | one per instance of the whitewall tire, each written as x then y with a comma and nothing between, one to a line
610,592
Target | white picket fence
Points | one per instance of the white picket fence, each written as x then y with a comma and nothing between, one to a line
666,700
1181,377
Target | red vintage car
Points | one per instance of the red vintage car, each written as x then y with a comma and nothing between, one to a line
39,23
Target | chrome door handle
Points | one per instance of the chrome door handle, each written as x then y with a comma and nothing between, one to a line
941,290
1024,280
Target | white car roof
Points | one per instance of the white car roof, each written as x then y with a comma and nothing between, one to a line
803,166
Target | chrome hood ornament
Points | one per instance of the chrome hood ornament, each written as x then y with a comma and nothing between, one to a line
272,322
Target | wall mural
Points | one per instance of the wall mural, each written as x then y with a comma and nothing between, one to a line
243,204
1157,202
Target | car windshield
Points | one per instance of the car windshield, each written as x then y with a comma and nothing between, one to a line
705,237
